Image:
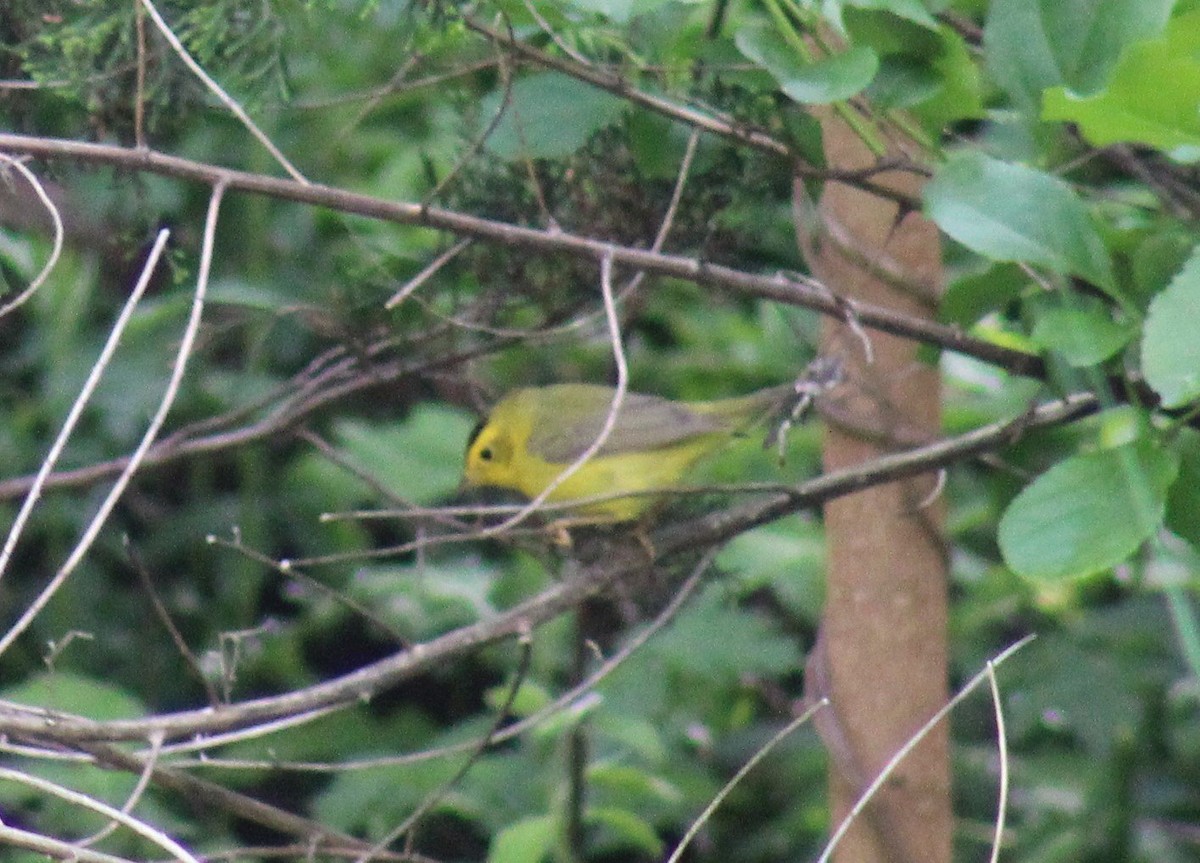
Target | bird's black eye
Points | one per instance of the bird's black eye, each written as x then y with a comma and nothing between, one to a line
486,453
475,432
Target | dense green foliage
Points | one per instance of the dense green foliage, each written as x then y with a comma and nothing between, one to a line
1061,140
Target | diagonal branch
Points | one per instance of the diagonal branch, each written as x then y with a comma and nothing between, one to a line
611,563
792,289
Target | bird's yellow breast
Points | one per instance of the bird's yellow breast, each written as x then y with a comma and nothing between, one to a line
500,455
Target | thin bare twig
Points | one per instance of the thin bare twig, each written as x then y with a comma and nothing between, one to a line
711,121
610,420
135,795
791,289
575,697
428,272
151,834
37,723
671,540
475,146
135,459
189,658
85,394
201,792
737,777
1002,750
877,783
56,249
36,842
290,569
216,89
407,827
139,90
554,37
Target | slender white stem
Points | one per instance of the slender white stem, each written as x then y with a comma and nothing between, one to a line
1002,748
758,756
610,421
153,834
55,251
135,460
225,98
911,743
85,394
11,836
134,796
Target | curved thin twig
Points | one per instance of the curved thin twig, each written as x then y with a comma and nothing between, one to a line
56,249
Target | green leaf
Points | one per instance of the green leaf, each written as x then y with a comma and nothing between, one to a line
1170,346
973,295
74,693
1031,45
1009,212
1183,500
909,10
632,786
419,459
831,79
1087,513
548,116
530,698
1090,691
630,828
430,598
526,841
371,801
1084,334
748,644
1153,98
618,11
841,13
787,557
961,92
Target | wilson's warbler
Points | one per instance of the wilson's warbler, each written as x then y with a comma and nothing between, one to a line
532,435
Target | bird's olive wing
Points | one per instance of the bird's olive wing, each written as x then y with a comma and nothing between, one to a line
644,423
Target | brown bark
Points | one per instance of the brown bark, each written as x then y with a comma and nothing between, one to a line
882,657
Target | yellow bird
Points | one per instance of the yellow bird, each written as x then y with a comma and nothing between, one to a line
533,435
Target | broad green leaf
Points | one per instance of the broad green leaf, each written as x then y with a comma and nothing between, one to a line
526,841
909,10
1009,212
1153,97
631,829
841,12
929,71
244,293
74,693
426,600
1170,343
633,786
831,79
961,92
1086,689
530,698
548,116
1183,501
359,800
1031,45
618,11
419,459
1084,334
748,643
787,557
973,295
1087,513
1155,261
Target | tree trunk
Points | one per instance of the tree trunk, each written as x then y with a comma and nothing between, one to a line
882,657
